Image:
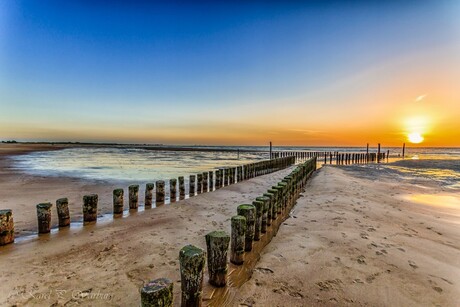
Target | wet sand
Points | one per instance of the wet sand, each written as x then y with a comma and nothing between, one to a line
361,242
349,241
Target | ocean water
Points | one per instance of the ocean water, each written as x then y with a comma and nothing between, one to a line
138,164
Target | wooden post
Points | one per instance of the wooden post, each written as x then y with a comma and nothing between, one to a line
388,155
211,181
62,207
265,204
378,154
157,293
404,150
199,183
6,227
118,201
192,261
181,187
149,195
367,153
258,222
218,180
205,182
271,150
238,239
133,196
217,245
249,212
160,193
90,208
44,217
173,190
191,191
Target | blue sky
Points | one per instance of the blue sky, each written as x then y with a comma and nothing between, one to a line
180,73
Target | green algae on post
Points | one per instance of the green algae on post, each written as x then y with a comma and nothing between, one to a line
266,202
172,190
148,202
157,293
258,219
44,217
249,212
62,207
211,181
90,208
192,261
160,197
217,245
118,201
133,196
199,183
6,227
191,191
238,239
181,187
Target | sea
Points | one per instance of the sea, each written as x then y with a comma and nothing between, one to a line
145,164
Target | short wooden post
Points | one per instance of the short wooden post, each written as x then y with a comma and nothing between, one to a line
192,261
199,183
157,293
258,223
160,193
249,212
191,191
181,187
238,239
217,245
6,227
173,190
44,217
218,180
90,208
205,182
265,204
62,207
148,202
133,196
118,201
211,181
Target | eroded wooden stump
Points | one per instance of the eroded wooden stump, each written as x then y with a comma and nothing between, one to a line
160,195
44,217
6,227
90,208
118,200
249,212
133,196
238,239
148,202
62,207
192,261
181,187
173,190
157,293
217,245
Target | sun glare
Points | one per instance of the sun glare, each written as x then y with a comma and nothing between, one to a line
415,137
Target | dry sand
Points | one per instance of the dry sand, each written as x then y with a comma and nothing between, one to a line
360,242
350,241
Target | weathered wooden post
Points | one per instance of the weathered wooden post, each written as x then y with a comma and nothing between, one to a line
148,202
211,181
62,207
173,190
160,193
378,154
249,212
118,201
6,227
44,217
218,181
258,222
199,183
192,261
404,150
205,182
181,187
133,196
157,293
272,193
90,208
217,245
266,203
238,239
191,191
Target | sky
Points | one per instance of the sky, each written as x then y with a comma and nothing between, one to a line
307,73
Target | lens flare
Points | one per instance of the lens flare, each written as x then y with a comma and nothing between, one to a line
415,137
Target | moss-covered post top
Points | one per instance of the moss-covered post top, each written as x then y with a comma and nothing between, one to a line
7,212
149,186
245,207
217,234
157,293
134,187
118,192
90,197
190,251
45,206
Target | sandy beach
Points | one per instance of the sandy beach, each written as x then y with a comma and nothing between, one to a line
351,240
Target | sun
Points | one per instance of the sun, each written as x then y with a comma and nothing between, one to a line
415,137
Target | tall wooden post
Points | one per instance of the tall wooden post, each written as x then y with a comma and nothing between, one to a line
404,150
192,261
238,239
378,154
217,246
271,150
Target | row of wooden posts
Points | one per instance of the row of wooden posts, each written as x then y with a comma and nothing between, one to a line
198,184
250,224
335,156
